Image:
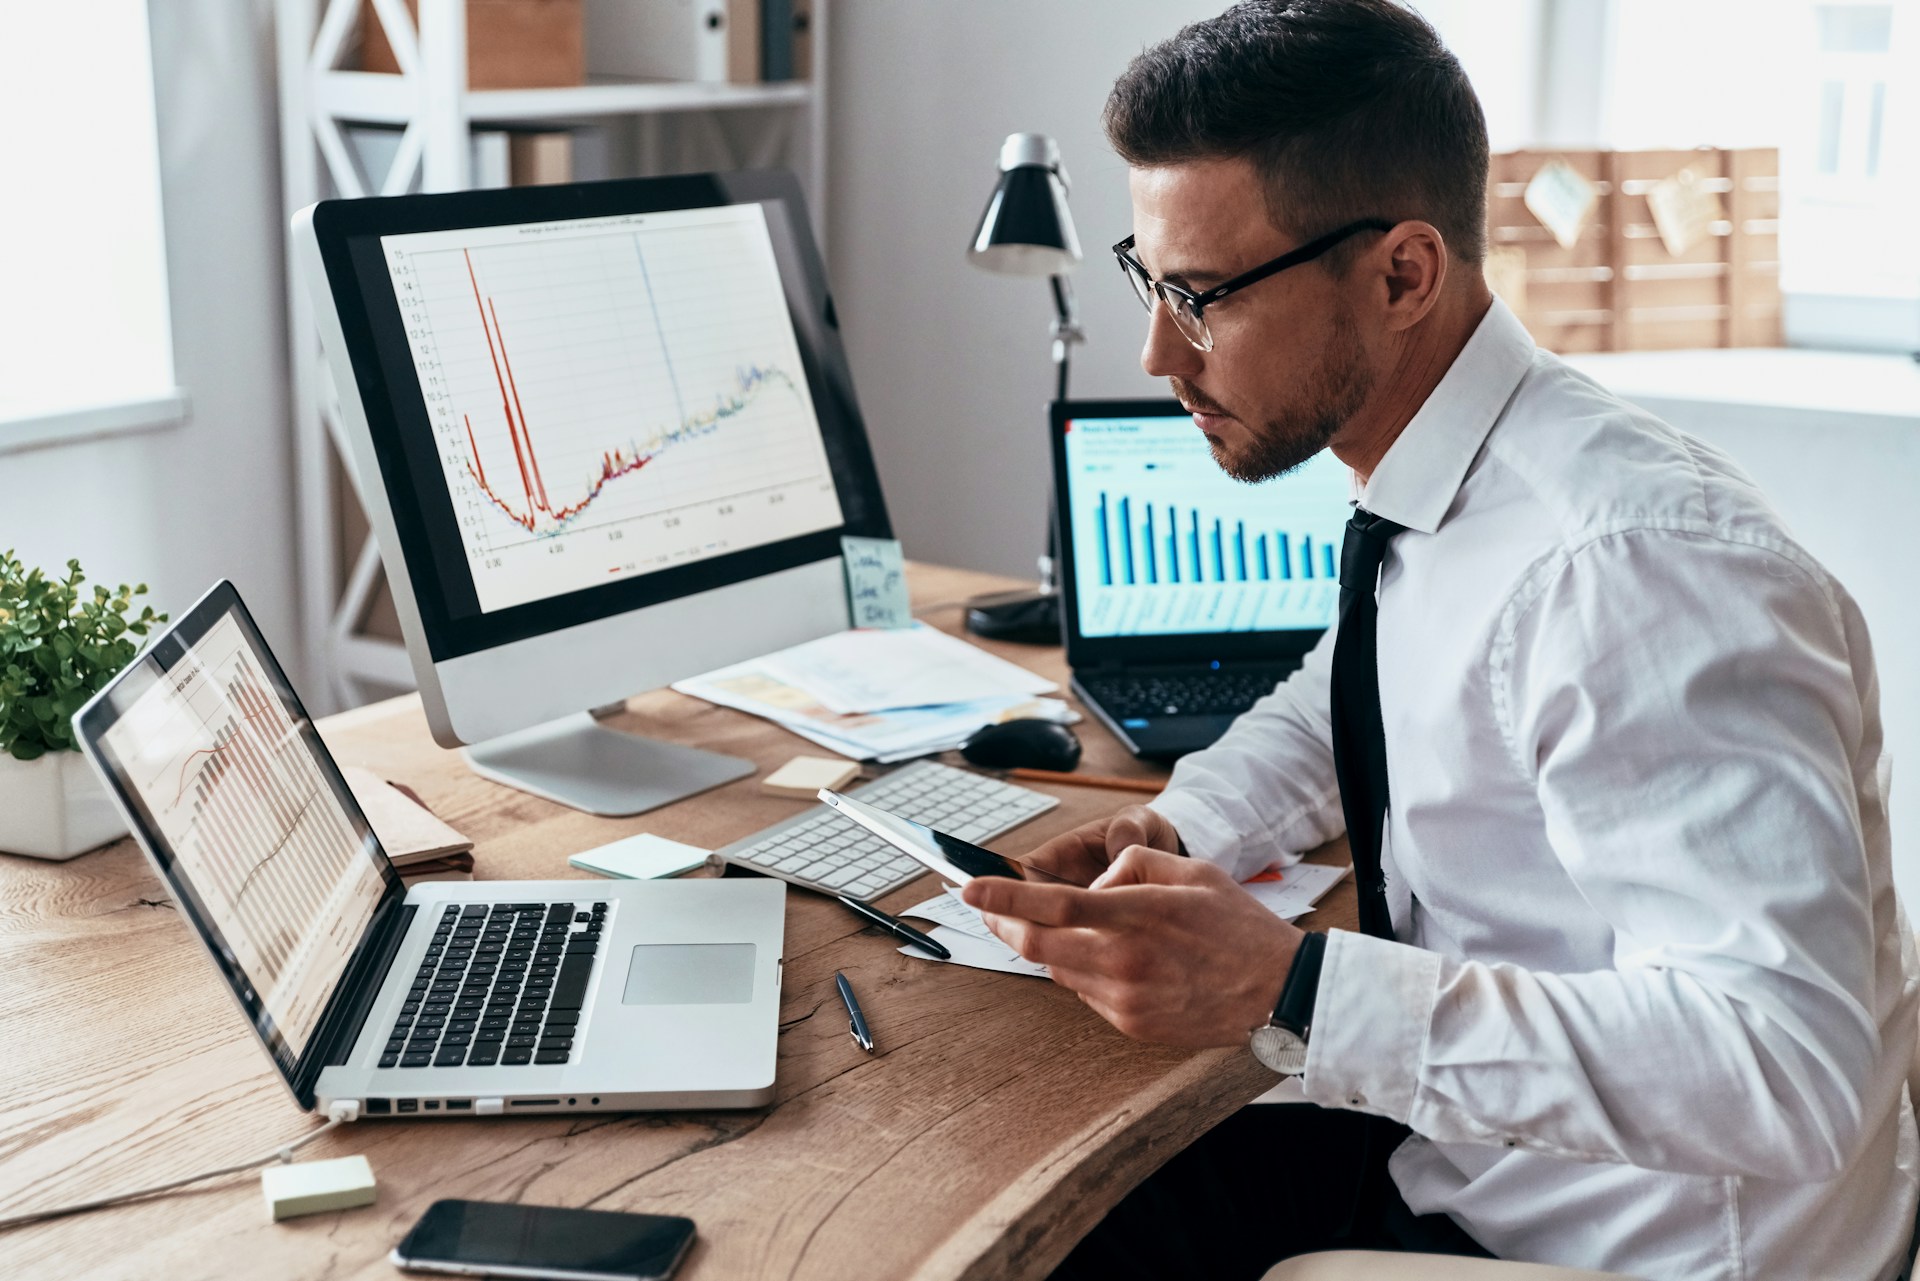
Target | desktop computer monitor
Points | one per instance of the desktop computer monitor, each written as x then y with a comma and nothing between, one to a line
606,437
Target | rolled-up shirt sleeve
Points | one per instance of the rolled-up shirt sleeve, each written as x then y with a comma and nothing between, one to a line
1265,793
1687,708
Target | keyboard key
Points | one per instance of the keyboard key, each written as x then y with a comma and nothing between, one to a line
389,1060
570,988
563,1016
551,1056
415,1060
512,1056
451,1058
484,1056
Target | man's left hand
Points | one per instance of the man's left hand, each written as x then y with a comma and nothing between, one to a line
1165,948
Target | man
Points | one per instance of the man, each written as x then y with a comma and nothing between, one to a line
1636,995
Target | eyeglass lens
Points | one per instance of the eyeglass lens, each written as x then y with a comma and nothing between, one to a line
1191,325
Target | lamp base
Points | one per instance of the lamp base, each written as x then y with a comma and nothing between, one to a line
1028,617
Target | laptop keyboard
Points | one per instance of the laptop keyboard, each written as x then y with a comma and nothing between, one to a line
1201,693
501,983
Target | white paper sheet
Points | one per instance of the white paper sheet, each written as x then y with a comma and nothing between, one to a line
1297,890
885,670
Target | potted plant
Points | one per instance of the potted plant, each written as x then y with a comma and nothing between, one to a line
58,646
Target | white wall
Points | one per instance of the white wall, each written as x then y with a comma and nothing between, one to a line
952,363
212,498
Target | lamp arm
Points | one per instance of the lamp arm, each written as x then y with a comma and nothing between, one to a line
1066,329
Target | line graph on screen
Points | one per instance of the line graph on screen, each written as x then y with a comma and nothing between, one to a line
612,399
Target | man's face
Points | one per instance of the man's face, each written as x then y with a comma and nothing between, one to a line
1288,367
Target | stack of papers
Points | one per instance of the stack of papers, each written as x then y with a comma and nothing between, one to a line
883,695
1288,894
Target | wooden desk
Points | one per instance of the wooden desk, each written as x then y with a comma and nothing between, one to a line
999,1122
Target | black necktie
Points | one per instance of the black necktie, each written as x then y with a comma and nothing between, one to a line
1359,737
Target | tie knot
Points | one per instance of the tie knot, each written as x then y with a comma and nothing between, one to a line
1365,547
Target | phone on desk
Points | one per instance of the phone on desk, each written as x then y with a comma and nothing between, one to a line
957,860
494,1239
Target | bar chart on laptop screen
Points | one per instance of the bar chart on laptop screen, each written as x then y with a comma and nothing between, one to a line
264,842
612,396
1164,542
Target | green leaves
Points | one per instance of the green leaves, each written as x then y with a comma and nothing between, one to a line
58,646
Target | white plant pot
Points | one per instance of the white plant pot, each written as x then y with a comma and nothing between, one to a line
54,806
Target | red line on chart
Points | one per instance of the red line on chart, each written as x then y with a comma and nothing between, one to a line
215,750
475,448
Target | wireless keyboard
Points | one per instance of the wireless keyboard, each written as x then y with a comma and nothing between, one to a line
821,850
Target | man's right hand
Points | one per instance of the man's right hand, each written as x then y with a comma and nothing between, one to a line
1084,853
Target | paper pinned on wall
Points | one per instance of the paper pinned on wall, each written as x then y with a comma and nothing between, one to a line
876,582
1684,210
1562,199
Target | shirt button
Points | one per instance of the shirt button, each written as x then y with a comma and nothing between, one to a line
1513,1143
1357,1100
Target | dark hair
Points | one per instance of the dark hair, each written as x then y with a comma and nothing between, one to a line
1347,109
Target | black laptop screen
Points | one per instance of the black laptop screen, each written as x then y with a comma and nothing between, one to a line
236,800
1164,543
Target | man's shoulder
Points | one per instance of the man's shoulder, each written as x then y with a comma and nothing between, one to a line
1595,466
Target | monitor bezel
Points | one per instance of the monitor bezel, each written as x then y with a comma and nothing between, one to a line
333,1033
1282,646
393,406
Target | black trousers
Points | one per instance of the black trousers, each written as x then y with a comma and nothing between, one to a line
1266,1184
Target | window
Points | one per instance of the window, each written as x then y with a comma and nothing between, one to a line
85,342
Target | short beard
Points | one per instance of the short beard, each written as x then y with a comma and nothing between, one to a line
1331,396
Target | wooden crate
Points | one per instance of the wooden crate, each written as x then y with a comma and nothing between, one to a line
1618,288
511,44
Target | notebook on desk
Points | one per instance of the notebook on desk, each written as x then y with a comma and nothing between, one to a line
477,998
1186,595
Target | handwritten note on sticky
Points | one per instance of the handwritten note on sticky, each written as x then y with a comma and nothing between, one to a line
876,582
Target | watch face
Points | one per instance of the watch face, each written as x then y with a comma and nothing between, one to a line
1280,1050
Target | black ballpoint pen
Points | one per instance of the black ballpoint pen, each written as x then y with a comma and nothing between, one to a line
896,927
857,1021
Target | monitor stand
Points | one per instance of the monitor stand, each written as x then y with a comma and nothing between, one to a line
578,762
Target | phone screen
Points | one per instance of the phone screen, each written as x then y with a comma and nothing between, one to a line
957,860
482,1234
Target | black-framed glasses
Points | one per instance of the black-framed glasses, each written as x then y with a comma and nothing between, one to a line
1189,309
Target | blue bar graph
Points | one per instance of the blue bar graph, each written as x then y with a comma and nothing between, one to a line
1136,549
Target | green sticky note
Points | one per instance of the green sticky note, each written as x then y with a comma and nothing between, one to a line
876,582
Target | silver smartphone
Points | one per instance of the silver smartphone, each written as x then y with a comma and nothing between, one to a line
957,860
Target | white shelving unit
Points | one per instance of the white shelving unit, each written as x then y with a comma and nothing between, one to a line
437,113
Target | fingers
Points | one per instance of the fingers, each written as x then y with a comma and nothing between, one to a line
1137,825
1140,865
1060,906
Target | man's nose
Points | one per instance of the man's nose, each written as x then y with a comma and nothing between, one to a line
1168,354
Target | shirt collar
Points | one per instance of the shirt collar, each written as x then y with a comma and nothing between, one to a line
1416,482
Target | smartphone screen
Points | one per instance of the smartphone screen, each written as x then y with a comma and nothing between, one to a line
957,860
538,1241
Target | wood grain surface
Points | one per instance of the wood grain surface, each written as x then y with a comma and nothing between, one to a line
998,1122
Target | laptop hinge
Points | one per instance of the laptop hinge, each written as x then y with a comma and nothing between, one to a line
363,988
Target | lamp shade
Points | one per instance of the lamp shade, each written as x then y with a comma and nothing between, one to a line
1026,229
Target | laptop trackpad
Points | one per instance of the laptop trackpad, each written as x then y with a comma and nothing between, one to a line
690,974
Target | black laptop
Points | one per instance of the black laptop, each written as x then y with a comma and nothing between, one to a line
1186,595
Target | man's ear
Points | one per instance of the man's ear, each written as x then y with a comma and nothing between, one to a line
1411,262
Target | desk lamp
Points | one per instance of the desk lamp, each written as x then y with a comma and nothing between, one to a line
1027,231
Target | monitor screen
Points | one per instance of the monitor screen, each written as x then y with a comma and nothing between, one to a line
207,746
611,397
1164,543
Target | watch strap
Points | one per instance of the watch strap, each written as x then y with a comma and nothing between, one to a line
1302,988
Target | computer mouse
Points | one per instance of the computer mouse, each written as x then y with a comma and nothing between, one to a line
1027,743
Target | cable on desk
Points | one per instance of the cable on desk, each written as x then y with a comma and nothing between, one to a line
337,1116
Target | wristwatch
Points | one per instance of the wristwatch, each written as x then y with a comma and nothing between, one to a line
1282,1044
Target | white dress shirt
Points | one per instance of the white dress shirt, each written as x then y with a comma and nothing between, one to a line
1650,1002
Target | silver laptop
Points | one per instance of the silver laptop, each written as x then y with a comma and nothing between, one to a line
484,998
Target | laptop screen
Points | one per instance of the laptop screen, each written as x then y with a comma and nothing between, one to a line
233,796
1164,543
